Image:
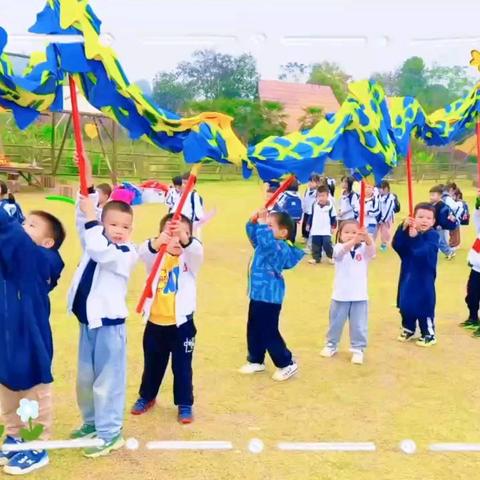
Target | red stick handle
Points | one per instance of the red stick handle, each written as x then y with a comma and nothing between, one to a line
409,181
282,188
77,129
361,218
478,154
148,290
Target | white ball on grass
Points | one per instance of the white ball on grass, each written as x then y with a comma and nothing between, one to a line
132,444
255,445
408,446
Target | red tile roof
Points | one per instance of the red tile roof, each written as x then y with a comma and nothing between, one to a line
297,96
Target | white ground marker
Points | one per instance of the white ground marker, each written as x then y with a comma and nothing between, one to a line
190,445
408,446
327,447
53,445
454,447
256,445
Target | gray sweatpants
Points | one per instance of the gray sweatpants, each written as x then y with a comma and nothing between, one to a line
357,314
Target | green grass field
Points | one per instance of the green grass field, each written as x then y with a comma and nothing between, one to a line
401,392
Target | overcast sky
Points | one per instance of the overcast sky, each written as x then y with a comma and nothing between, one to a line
362,35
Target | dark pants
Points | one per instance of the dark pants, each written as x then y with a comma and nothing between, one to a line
426,324
293,236
263,335
473,294
305,222
159,342
320,242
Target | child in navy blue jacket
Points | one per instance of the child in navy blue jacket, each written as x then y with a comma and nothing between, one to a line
30,266
416,243
273,254
9,204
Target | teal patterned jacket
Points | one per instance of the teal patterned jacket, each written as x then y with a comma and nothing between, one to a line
270,258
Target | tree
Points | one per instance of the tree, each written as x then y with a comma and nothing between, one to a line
212,75
389,82
311,117
169,92
294,72
330,74
254,120
145,86
412,77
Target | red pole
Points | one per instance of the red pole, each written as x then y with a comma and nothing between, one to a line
478,154
361,219
147,291
409,181
282,188
77,128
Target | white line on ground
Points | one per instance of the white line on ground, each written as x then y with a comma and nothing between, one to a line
327,446
53,445
190,445
454,447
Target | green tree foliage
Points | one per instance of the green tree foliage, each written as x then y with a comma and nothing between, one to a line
169,92
311,117
294,72
330,74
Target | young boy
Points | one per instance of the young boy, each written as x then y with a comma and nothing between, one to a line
273,254
416,243
309,199
97,298
174,192
388,208
193,208
473,286
104,191
444,220
322,224
291,203
30,266
170,329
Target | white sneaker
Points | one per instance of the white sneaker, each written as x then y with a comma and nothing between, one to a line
250,368
312,261
328,352
307,250
331,261
357,357
283,374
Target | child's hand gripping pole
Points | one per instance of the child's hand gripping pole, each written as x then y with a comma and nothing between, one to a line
273,199
361,219
148,290
77,128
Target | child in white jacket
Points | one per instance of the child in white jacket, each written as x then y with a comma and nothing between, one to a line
170,329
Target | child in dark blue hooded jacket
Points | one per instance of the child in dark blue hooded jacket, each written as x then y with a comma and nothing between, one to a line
416,243
30,266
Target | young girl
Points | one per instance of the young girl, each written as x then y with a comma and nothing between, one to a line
351,254
9,204
349,202
372,210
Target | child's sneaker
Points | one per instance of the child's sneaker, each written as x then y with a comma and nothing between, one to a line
328,351
476,333
312,261
405,336
185,414
5,457
470,324
114,444
250,368
357,357
142,406
26,462
427,341
85,431
331,261
283,374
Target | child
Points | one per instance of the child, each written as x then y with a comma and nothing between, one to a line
331,184
174,192
372,210
350,294
273,254
104,191
322,224
444,220
291,203
193,208
473,286
416,243
9,204
388,208
170,329
309,199
30,266
349,202
97,298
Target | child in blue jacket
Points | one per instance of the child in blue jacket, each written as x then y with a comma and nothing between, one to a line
30,266
273,254
9,204
416,243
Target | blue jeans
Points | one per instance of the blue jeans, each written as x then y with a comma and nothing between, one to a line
443,245
102,378
357,315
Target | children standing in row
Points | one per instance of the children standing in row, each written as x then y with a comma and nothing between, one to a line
388,207
352,255
322,222
416,243
349,207
372,210
268,235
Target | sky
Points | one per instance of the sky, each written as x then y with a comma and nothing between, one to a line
363,36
